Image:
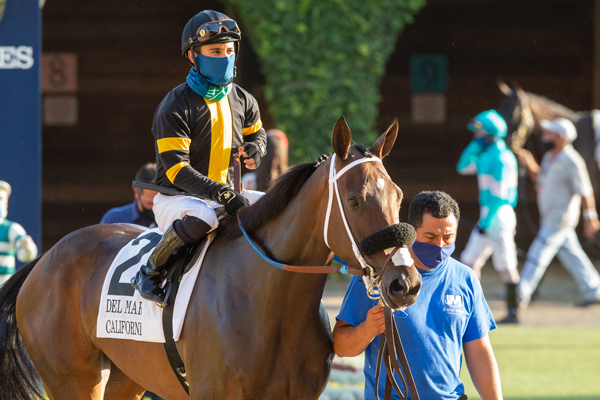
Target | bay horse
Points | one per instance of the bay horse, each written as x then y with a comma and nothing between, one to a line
523,112
251,331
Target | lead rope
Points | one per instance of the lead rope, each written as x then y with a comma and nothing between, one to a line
391,352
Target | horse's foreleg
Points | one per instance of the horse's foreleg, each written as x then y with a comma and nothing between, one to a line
121,387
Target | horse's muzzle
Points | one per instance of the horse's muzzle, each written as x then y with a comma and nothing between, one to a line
401,292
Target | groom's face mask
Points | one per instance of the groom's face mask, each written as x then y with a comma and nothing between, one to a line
435,240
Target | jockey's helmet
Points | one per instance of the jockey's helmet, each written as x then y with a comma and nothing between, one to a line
208,27
489,122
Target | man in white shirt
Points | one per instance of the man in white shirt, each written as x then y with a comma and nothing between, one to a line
563,186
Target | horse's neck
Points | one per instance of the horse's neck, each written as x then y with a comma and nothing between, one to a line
542,109
296,238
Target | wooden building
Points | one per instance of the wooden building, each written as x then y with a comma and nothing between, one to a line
128,58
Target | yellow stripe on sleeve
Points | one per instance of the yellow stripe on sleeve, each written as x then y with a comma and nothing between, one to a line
252,129
174,143
174,170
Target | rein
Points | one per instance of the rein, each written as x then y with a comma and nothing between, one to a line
307,269
333,186
391,352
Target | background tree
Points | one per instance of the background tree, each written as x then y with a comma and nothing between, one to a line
323,59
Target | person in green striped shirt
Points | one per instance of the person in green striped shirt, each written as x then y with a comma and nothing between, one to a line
14,241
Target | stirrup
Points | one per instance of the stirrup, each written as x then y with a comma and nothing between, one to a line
165,303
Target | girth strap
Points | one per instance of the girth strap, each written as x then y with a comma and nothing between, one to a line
173,281
170,346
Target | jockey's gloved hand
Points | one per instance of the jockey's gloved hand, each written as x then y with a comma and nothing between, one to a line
254,151
231,200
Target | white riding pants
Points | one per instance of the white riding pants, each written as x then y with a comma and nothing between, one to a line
498,242
168,209
564,244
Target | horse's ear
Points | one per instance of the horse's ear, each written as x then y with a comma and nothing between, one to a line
517,87
504,88
384,143
341,138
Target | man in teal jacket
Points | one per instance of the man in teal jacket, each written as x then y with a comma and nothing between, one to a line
14,241
496,169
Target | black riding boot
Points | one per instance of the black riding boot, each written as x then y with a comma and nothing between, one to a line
147,280
511,304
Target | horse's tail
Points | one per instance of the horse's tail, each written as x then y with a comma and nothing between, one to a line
19,379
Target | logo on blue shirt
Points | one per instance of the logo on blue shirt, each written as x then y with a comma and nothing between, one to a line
454,301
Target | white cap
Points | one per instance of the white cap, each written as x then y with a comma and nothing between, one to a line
561,126
5,187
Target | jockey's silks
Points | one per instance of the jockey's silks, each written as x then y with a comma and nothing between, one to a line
497,176
195,138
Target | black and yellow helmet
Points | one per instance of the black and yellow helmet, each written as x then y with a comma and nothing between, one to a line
209,27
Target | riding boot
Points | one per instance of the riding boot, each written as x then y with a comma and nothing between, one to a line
512,305
148,278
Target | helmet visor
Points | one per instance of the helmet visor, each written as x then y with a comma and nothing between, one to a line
213,28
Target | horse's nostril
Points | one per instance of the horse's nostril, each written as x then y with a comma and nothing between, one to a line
398,287
415,289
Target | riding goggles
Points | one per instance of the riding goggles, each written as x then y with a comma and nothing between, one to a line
213,28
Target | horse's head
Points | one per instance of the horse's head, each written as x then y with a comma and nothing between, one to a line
364,203
515,109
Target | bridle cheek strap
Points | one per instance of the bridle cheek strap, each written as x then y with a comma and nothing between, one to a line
333,187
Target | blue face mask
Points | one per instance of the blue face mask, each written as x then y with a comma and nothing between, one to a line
481,141
430,255
218,71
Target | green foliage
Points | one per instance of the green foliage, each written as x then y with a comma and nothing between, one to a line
323,59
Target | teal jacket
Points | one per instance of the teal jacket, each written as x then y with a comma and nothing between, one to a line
10,233
497,176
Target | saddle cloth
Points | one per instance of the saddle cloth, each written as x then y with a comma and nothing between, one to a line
123,313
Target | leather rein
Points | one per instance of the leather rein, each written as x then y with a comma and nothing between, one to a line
333,186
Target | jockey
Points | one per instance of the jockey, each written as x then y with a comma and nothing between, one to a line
497,176
14,241
197,128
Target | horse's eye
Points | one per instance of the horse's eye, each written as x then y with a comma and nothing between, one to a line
352,202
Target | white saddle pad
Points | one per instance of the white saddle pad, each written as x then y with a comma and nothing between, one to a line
123,313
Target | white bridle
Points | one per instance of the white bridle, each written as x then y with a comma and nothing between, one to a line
402,257
333,186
